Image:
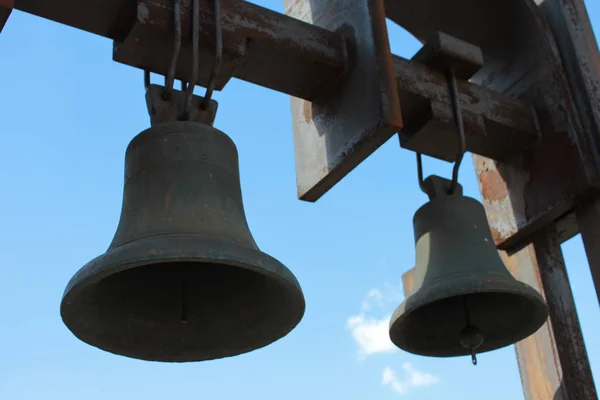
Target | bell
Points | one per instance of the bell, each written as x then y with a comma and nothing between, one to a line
183,279
464,301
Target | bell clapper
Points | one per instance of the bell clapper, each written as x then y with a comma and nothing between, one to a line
473,357
470,337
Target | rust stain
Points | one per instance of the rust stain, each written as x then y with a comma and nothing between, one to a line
497,236
408,282
493,187
307,106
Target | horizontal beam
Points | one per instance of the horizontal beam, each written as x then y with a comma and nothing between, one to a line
285,54
260,46
496,125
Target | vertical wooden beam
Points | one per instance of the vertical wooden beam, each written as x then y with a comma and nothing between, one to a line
539,366
575,38
588,220
577,380
553,362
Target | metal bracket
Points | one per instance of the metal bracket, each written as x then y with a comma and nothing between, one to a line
433,131
162,111
436,186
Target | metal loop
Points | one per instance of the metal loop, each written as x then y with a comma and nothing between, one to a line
461,137
151,109
462,145
170,78
218,57
189,90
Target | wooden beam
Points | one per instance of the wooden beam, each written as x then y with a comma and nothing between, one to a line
260,46
496,125
285,54
577,380
588,220
577,43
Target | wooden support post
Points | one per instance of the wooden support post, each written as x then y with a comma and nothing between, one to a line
577,43
577,381
588,219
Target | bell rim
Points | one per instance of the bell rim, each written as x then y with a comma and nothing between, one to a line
400,314
277,272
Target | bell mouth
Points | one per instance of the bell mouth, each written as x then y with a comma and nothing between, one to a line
181,311
433,328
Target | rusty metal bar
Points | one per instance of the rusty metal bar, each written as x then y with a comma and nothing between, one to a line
588,219
577,380
6,7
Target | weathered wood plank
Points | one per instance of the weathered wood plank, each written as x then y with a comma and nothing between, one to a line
358,113
577,380
588,220
575,38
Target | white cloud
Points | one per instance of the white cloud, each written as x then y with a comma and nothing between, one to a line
413,379
391,379
374,296
370,334
369,330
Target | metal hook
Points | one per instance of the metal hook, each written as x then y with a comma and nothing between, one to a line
195,59
151,109
218,57
170,78
460,128
450,76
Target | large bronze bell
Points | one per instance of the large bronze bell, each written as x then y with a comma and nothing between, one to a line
183,279
464,301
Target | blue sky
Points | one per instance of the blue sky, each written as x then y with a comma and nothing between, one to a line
68,113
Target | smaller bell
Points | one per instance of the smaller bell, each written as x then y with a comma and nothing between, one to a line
464,301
